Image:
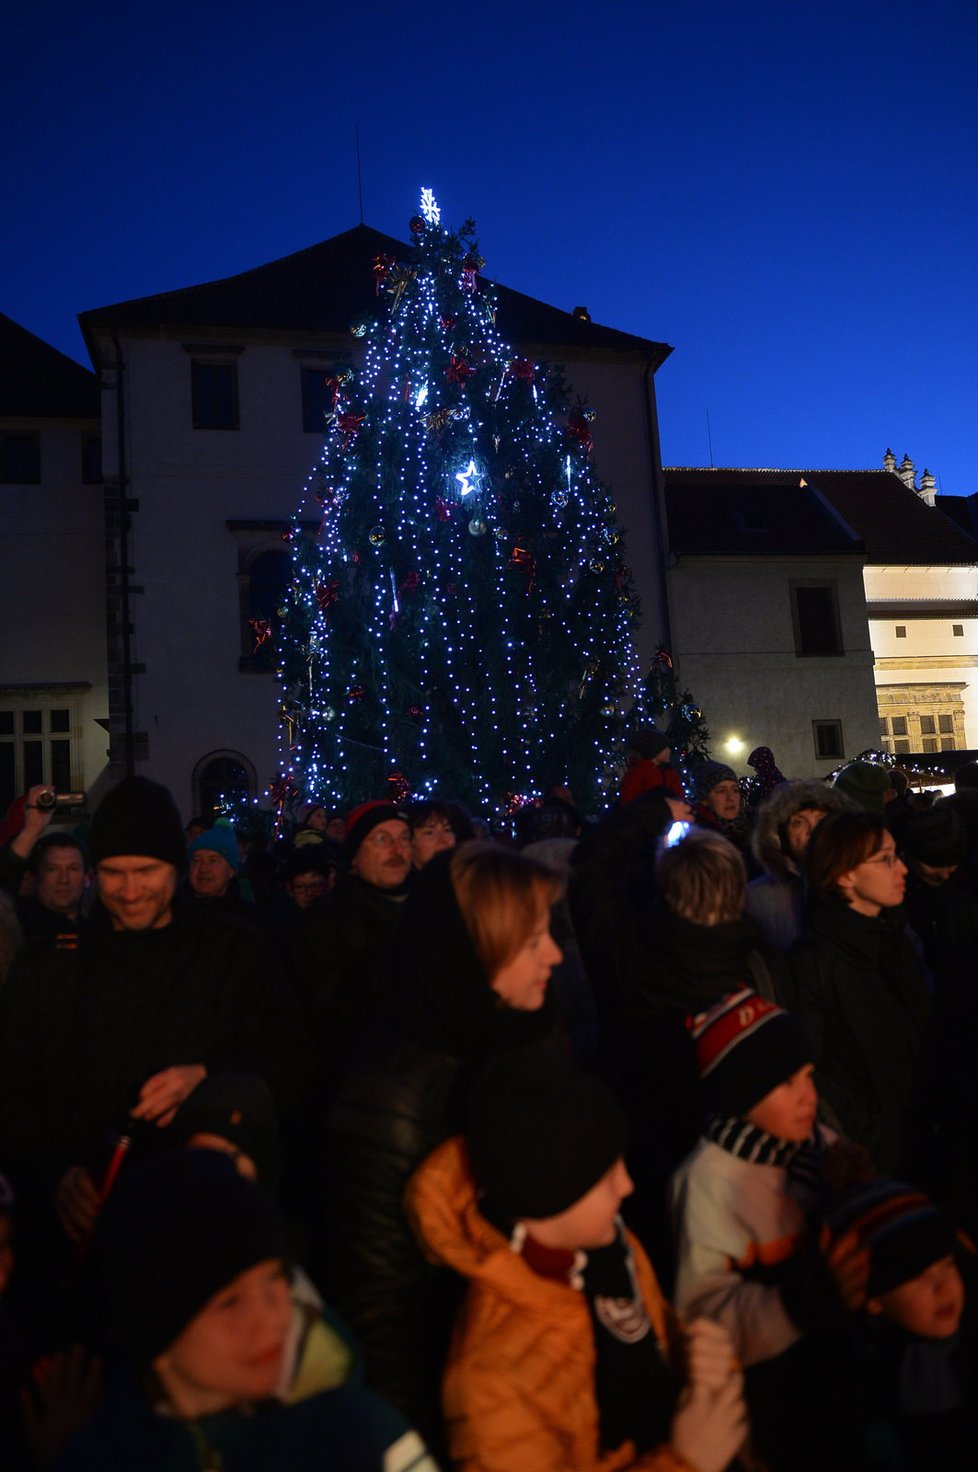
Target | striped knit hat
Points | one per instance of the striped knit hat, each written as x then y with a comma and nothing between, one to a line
900,1227
745,1047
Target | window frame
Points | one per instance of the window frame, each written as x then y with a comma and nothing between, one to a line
826,724
831,587
30,437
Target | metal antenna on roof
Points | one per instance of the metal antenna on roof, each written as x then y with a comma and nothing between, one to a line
709,437
359,175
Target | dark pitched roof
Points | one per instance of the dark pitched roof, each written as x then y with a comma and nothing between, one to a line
707,517
326,287
38,382
963,511
891,519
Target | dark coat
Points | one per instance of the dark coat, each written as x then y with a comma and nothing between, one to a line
82,1029
859,988
342,966
403,1093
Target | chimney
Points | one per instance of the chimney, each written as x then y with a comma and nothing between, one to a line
906,472
582,314
889,461
928,487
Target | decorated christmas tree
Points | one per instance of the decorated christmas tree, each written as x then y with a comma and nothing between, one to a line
460,615
673,709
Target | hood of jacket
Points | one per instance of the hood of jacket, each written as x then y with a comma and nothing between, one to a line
789,798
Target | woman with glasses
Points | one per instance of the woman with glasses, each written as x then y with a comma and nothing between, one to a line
860,984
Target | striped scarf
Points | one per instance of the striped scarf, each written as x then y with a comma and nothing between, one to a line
738,1137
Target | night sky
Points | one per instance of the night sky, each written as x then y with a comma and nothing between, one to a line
787,193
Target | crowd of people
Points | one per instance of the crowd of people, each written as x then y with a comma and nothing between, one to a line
644,1141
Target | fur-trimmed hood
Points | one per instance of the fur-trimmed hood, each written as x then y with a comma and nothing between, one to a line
789,798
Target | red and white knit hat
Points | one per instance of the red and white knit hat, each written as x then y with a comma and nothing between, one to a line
745,1047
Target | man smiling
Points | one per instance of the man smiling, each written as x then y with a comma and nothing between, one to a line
125,1026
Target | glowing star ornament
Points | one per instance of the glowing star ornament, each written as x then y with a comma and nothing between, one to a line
430,210
466,478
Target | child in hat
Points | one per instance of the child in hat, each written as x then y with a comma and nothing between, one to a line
224,1364
565,1354
741,1203
913,1356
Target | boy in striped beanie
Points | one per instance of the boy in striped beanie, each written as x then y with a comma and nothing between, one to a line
741,1204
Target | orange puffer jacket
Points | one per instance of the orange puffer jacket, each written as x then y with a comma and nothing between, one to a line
519,1387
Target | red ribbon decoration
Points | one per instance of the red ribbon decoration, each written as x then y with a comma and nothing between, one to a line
467,281
287,535
663,656
263,632
447,323
442,509
522,369
523,561
348,425
332,386
327,594
410,583
579,432
281,789
382,265
458,370
398,787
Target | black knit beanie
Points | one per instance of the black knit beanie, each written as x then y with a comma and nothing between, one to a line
936,837
138,817
540,1136
176,1230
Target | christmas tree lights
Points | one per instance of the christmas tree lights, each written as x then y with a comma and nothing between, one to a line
460,616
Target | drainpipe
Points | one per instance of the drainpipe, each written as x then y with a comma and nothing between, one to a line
124,529
658,505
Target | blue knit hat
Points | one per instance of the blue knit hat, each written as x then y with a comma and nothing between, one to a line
220,840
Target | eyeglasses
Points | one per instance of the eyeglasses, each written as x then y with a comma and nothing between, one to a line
890,860
389,840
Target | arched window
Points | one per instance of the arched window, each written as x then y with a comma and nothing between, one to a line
222,777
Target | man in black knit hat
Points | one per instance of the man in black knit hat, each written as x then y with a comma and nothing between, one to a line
343,944
116,1033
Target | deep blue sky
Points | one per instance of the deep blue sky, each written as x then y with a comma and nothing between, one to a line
785,192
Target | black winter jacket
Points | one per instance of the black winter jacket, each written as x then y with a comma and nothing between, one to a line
82,1029
859,988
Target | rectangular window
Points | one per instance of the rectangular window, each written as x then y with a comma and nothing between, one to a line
828,739
928,744
38,743
815,617
215,395
945,723
884,726
20,459
957,630
901,631
91,459
900,726
927,726
900,746
947,743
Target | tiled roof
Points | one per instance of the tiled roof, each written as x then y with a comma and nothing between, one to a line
38,382
329,285
705,518
895,525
